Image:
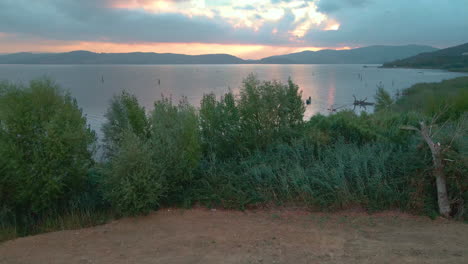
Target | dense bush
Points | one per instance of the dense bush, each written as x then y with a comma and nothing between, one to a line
175,145
153,158
124,114
345,125
383,100
265,113
269,112
45,150
133,185
220,126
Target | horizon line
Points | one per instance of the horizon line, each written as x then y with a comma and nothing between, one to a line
202,54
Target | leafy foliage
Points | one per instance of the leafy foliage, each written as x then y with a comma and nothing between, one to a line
124,114
132,183
220,126
265,113
345,125
270,111
175,145
45,150
383,100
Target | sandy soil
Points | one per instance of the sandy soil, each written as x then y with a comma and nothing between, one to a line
259,236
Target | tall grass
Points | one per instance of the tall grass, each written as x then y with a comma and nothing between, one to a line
65,221
450,96
345,174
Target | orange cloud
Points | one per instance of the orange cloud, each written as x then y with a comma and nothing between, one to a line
332,25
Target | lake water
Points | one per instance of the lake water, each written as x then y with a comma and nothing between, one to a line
328,85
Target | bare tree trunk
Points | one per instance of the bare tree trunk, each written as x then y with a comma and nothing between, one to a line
441,182
442,197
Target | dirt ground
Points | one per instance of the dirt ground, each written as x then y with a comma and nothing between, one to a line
257,236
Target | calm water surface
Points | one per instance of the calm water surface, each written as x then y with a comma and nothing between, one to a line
328,85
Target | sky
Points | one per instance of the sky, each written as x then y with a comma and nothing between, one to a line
250,29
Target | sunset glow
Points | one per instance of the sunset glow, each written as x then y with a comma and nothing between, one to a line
244,20
242,51
241,13
333,27
249,29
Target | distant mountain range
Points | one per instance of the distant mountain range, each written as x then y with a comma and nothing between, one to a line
453,58
366,55
86,57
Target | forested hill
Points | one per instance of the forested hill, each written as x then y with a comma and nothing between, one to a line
365,55
453,58
86,57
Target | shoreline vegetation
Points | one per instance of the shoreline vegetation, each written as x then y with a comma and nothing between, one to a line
238,151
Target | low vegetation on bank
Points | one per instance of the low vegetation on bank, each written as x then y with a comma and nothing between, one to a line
233,152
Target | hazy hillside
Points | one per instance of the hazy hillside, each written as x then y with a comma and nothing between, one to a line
366,55
450,59
86,57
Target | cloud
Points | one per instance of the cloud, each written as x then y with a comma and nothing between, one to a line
397,22
85,20
293,23
242,21
329,6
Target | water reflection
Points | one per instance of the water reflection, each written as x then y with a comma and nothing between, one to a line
327,84
331,93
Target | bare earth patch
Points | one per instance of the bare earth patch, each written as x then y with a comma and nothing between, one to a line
255,236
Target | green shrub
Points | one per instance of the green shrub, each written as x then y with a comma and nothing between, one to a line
124,114
220,126
266,112
133,185
91,198
383,100
176,148
269,112
45,150
345,125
